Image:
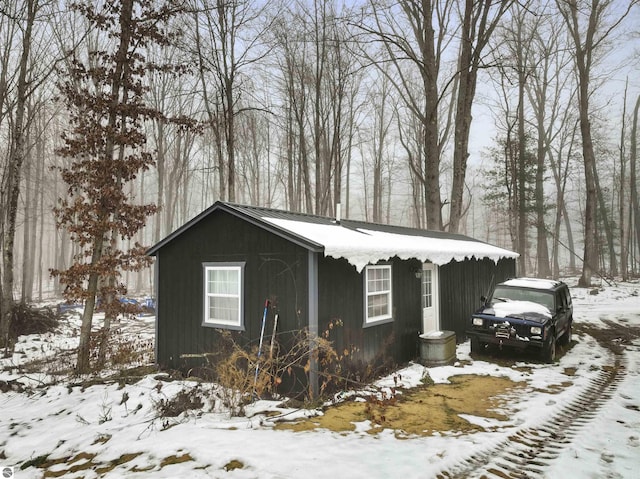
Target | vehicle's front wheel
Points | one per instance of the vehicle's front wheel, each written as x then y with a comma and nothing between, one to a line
476,346
566,337
548,352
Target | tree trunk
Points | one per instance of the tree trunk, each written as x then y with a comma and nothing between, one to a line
160,168
83,365
633,161
477,27
623,204
321,155
11,187
542,247
230,135
522,173
590,258
570,242
40,189
27,236
608,229
583,49
466,93
304,166
105,332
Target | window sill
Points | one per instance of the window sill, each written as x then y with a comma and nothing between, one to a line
377,322
232,327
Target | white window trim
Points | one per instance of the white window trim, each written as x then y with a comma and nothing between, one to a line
386,318
237,325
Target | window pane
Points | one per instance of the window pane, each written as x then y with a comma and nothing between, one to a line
224,310
427,295
377,305
223,281
378,279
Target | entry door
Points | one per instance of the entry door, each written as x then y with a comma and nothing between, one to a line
430,309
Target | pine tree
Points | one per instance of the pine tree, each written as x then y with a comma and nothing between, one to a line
106,145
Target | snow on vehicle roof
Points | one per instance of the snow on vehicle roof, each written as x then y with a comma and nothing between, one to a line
536,283
363,246
511,308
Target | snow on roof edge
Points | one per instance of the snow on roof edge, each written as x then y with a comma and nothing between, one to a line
362,246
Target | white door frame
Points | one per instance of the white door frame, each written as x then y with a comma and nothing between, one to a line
431,314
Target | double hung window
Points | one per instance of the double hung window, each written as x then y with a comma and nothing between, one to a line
378,304
223,293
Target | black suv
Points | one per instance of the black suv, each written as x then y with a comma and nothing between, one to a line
524,313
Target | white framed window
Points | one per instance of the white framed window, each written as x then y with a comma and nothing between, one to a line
378,304
223,295
427,288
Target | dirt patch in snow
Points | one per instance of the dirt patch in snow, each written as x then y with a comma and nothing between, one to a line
421,411
614,335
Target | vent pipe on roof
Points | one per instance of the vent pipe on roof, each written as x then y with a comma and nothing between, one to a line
338,213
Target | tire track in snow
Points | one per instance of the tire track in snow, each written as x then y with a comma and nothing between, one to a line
526,453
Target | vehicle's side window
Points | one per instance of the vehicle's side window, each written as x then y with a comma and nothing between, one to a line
563,299
562,303
567,296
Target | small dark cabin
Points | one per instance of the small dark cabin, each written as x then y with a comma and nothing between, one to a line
384,284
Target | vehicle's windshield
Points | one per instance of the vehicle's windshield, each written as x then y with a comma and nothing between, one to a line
544,298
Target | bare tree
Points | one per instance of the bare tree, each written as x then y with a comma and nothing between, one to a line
254,153
227,41
175,96
542,53
413,35
633,172
623,203
20,19
551,91
410,137
605,222
479,20
382,121
590,24
318,80
331,89
513,57
291,72
560,150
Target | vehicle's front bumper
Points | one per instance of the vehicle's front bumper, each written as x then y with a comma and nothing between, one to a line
489,337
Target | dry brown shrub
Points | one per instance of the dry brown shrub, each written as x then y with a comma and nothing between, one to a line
244,374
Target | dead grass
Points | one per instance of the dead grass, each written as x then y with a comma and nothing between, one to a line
421,411
80,462
62,466
175,459
233,464
554,388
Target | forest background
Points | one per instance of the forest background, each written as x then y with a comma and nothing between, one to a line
514,122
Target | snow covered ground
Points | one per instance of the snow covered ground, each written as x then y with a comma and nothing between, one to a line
113,430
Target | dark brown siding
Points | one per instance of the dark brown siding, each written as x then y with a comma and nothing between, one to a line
461,286
274,268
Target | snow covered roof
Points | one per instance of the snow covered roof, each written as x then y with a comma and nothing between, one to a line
358,242
363,246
